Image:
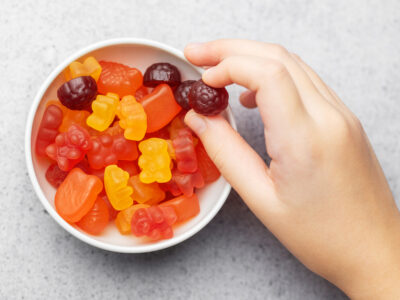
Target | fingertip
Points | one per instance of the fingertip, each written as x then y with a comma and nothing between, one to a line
248,99
193,52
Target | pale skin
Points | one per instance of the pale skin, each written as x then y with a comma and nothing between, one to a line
324,195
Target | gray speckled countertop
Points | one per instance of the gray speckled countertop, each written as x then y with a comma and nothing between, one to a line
355,47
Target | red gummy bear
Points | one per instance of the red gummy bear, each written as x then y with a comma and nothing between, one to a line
48,129
107,150
184,151
70,147
183,183
55,176
206,166
154,222
119,79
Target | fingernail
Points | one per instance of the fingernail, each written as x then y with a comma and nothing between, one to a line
193,45
196,122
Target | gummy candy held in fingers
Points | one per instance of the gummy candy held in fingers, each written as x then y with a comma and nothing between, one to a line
76,195
119,79
206,166
181,93
186,207
104,109
90,67
70,147
124,218
55,176
154,222
184,151
154,161
207,100
78,93
117,189
48,128
132,118
148,193
96,220
160,107
161,73
108,150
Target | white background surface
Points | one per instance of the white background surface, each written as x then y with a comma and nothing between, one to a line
353,45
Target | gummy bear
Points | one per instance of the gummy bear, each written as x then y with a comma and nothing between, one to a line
160,107
132,118
124,218
176,124
55,176
141,92
111,211
154,161
76,195
115,129
206,166
148,193
130,166
183,183
186,207
119,79
117,189
104,108
154,222
96,220
90,67
107,150
186,161
70,116
70,147
48,128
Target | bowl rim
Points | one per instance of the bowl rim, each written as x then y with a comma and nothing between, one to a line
145,248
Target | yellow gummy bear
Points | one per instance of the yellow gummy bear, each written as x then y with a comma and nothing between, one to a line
132,118
90,67
117,189
104,109
154,161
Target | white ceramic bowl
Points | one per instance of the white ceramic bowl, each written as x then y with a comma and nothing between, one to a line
139,53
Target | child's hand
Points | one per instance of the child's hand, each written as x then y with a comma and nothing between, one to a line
324,195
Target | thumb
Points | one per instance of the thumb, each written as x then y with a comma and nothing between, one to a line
241,166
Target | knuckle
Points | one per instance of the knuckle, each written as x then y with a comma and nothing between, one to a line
355,122
274,69
296,56
340,127
280,52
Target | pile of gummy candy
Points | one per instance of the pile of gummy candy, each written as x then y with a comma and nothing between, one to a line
105,114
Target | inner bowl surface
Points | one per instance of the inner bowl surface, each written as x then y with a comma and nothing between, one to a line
137,53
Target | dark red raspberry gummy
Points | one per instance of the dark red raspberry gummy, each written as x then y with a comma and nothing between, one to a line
207,100
78,93
181,93
161,73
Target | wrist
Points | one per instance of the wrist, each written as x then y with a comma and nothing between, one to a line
379,276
